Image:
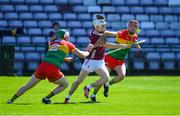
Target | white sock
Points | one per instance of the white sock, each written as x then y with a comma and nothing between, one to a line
93,95
107,84
68,96
89,86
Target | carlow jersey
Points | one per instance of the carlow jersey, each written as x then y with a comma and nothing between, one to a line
123,37
98,52
58,51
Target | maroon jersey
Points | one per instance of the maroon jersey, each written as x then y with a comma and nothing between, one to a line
98,52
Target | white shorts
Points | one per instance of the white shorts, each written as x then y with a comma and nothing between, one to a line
92,65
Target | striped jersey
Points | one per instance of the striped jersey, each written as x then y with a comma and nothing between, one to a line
123,37
58,51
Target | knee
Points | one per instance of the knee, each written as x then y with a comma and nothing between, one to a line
121,77
106,79
78,82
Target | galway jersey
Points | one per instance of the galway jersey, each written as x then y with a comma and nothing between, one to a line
98,52
58,51
123,37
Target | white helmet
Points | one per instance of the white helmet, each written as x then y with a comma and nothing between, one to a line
99,23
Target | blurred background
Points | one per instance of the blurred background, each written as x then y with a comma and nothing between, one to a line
25,25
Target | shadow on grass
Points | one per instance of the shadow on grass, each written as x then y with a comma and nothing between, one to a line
90,102
22,103
86,102
64,103
56,103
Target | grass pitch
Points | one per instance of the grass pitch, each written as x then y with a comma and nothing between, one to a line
137,95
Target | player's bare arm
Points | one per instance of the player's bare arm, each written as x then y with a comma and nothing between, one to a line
101,41
112,45
110,33
83,54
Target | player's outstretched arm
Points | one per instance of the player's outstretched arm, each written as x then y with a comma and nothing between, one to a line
110,33
83,54
100,41
113,45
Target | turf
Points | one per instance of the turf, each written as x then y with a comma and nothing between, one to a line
141,95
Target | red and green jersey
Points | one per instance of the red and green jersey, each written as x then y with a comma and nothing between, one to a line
123,37
58,51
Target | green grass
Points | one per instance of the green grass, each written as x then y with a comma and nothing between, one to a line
135,95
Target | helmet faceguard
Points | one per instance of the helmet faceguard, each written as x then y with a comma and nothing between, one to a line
99,24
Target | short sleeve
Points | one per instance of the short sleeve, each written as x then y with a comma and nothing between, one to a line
71,47
119,34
